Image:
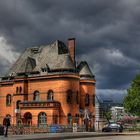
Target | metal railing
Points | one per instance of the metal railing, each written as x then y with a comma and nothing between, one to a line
19,130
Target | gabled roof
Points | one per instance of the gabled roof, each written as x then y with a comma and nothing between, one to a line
84,70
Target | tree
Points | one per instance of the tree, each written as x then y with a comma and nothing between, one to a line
132,100
108,115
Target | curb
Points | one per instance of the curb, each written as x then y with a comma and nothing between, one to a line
61,136
82,136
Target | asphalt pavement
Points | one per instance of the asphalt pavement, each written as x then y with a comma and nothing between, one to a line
62,136
109,138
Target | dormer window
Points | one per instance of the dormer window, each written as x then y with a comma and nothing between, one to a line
44,69
35,50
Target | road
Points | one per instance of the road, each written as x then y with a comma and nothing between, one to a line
110,138
75,136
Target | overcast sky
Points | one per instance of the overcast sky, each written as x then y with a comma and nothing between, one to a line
107,35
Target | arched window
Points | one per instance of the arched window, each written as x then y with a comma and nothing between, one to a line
69,118
93,100
8,100
20,89
87,100
16,90
77,118
55,119
50,95
69,96
42,119
17,104
36,96
77,97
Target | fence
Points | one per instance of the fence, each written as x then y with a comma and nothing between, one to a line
19,130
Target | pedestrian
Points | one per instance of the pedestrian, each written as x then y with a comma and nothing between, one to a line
6,124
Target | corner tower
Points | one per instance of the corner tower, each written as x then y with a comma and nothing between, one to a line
87,98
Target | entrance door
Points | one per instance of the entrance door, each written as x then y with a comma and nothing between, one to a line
28,118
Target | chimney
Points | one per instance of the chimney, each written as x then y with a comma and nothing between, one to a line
71,48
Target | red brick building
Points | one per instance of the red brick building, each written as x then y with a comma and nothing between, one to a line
46,86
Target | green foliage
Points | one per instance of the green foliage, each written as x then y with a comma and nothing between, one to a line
108,115
132,100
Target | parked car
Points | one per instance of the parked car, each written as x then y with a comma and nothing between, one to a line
113,127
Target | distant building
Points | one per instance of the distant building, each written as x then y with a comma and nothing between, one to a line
102,106
117,113
45,86
100,119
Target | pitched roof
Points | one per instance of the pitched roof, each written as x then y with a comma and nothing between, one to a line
53,57
28,65
48,59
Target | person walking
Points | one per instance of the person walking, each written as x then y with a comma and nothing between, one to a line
6,124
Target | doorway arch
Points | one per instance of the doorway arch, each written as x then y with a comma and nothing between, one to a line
28,118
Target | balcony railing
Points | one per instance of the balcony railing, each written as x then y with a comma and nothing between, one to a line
35,104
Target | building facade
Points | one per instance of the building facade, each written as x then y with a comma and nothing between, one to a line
45,86
100,120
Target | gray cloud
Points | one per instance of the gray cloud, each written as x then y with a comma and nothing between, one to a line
7,55
107,33
111,94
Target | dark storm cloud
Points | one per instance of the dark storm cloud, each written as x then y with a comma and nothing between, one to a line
107,33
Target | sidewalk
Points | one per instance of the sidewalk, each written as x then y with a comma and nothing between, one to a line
60,136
